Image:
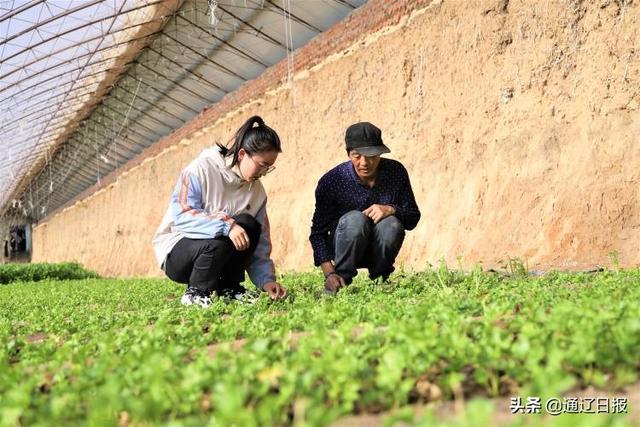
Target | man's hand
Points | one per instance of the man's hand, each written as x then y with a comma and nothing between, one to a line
333,282
379,212
239,237
275,290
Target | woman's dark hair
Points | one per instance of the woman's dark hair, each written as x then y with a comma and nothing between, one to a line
254,140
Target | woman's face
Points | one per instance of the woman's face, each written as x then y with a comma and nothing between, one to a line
253,167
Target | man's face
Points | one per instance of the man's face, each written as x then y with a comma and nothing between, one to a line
365,167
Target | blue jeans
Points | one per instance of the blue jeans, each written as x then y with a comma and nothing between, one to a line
359,243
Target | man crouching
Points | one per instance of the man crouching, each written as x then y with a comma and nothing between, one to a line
363,207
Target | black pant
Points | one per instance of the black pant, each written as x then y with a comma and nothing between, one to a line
212,264
359,243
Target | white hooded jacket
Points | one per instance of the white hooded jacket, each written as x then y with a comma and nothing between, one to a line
208,193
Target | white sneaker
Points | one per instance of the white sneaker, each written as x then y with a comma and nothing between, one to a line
193,297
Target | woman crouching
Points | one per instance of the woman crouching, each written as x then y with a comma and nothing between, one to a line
216,226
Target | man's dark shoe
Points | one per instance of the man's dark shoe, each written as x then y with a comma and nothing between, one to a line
328,291
231,289
237,292
386,280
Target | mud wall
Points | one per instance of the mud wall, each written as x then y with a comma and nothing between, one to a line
517,120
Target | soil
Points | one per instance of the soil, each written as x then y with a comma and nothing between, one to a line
502,416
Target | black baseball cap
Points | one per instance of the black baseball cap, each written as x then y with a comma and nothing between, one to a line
366,139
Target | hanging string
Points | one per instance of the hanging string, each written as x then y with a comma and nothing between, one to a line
115,134
13,176
124,122
21,127
288,39
71,164
48,160
213,8
97,161
47,195
24,210
103,157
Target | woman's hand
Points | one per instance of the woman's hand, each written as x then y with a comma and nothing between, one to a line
239,237
275,290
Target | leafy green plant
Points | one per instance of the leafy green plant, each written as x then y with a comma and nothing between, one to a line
35,272
109,352
614,258
515,267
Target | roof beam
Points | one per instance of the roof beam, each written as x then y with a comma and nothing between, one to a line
50,20
79,27
21,9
